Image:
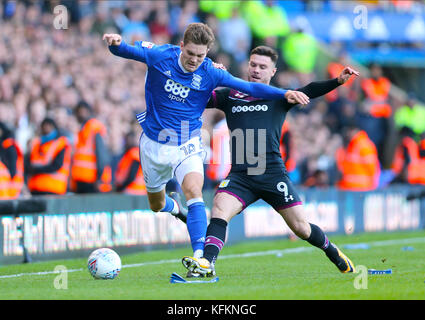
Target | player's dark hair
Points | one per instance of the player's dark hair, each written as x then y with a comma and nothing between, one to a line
199,33
266,51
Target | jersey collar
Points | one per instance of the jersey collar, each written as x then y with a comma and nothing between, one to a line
181,66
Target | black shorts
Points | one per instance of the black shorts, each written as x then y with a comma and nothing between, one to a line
274,187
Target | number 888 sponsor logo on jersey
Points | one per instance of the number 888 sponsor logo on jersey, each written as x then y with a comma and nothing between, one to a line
176,88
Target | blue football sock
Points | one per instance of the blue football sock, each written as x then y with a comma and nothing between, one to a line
197,223
169,205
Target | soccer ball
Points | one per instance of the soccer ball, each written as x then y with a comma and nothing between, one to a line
104,263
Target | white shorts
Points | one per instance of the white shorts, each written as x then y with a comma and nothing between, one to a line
161,162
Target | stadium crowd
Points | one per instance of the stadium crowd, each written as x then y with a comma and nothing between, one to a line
47,74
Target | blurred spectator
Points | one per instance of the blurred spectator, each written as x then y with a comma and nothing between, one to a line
49,163
129,175
376,90
102,23
12,159
9,8
267,21
219,163
377,110
406,166
136,28
159,28
235,36
90,170
411,115
182,13
223,10
319,179
299,51
286,148
357,161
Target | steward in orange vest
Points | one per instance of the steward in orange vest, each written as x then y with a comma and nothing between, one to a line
406,163
4,181
376,90
286,148
11,165
129,175
357,162
421,166
90,169
220,162
49,161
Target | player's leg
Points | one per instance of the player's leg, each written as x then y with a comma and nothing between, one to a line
313,234
231,198
159,201
225,207
190,175
279,192
156,174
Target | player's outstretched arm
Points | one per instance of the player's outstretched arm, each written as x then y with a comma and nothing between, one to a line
261,90
320,88
120,48
346,74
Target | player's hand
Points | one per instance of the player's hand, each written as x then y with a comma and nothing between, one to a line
345,75
112,39
219,66
297,97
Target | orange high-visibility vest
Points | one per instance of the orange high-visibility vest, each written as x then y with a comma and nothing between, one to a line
377,93
334,70
359,164
399,160
136,187
220,163
17,182
84,160
44,154
4,182
419,170
290,163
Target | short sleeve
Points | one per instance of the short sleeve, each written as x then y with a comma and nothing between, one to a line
218,99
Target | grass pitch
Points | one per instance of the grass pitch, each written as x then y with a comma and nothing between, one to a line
264,270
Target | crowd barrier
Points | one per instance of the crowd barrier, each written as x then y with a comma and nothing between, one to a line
74,225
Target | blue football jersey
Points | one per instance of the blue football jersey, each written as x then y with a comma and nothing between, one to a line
175,98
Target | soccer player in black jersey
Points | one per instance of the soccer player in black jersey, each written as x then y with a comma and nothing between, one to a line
258,171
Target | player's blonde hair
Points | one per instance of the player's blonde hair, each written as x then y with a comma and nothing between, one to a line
199,33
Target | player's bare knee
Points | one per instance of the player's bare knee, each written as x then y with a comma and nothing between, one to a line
218,212
192,191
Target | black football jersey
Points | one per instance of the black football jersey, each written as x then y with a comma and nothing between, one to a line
255,125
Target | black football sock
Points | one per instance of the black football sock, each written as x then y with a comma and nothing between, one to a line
319,239
214,241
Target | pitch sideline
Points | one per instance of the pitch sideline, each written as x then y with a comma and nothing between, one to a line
229,256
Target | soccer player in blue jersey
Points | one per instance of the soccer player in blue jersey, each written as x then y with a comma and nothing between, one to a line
178,85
